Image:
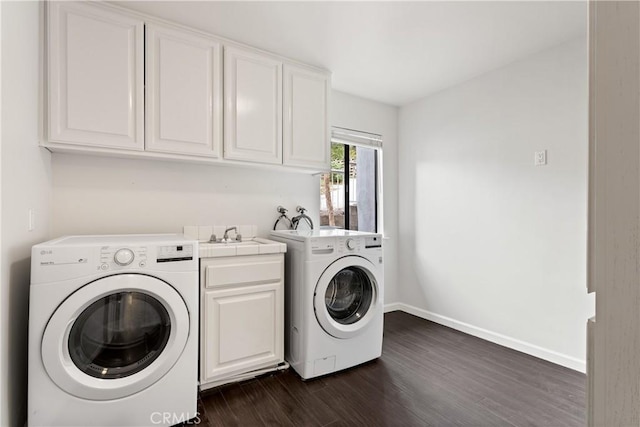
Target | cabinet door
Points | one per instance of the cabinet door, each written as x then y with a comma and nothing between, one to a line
253,106
306,121
242,329
95,76
183,93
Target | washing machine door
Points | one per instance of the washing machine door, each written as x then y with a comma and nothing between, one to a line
347,296
115,336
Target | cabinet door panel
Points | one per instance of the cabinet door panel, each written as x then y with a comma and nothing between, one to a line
253,107
95,77
306,124
242,329
240,342
183,97
238,274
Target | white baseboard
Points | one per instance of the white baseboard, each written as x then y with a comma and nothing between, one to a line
503,340
394,306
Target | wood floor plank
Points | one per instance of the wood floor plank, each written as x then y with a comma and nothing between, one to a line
428,375
216,410
286,405
367,401
265,407
303,393
438,395
240,404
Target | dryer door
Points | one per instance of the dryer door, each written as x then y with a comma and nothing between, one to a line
115,336
347,296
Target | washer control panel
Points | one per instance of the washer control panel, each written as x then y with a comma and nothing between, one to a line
115,257
95,256
111,257
373,242
175,253
345,245
124,257
357,244
322,246
350,244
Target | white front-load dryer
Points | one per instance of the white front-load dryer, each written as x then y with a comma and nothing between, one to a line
333,299
113,331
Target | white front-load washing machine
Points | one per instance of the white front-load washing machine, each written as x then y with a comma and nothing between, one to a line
113,331
333,298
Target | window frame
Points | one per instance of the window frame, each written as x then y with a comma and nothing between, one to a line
346,181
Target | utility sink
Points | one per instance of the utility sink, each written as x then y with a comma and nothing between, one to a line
255,246
231,243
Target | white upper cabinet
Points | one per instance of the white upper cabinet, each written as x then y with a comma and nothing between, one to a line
121,82
183,93
96,82
306,120
253,106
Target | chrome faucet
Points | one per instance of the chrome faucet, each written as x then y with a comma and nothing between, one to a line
225,238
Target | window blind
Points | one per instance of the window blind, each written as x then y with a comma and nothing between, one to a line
355,137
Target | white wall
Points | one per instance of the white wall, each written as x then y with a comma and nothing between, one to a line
361,114
25,185
95,195
489,243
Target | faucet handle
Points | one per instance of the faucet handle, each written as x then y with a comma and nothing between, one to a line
238,238
213,239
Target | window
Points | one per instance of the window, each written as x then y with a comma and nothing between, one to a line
349,194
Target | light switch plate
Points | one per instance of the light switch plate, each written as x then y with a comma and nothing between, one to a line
32,220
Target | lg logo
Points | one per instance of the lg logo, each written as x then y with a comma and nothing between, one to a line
172,418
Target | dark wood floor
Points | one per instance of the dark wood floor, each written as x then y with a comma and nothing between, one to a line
428,375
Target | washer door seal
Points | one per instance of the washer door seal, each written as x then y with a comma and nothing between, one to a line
115,337
347,296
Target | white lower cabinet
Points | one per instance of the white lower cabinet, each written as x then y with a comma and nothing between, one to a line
242,316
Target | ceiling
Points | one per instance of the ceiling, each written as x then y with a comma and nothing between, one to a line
393,52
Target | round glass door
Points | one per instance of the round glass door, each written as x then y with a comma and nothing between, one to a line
349,295
119,335
115,336
346,296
